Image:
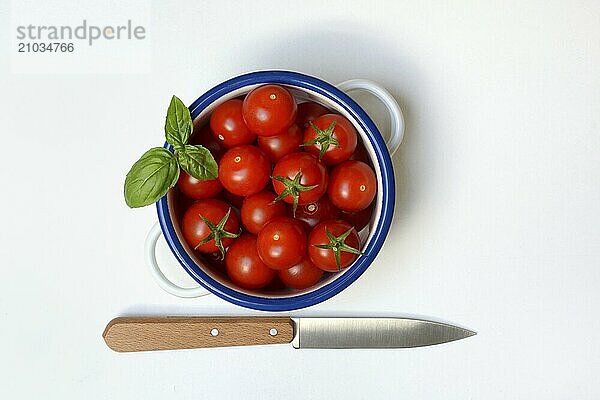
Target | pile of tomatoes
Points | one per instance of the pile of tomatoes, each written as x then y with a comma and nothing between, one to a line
294,187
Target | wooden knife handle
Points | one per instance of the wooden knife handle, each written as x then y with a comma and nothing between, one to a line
125,334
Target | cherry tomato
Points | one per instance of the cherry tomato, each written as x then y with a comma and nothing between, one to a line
302,275
299,178
313,213
269,110
275,286
308,112
358,219
228,126
244,170
180,204
244,266
331,137
215,261
361,154
352,186
196,189
232,199
277,146
281,243
333,253
258,209
205,137
203,237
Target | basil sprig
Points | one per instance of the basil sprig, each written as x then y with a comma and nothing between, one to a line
151,177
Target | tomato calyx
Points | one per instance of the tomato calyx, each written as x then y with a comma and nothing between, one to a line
337,245
324,138
217,232
293,188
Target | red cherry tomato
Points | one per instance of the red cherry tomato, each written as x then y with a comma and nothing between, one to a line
233,199
300,178
358,219
244,170
352,186
302,275
332,138
228,126
313,213
281,243
180,204
269,110
204,136
196,189
196,231
339,253
258,209
361,154
214,261
244,266
308,112
275,286
277,146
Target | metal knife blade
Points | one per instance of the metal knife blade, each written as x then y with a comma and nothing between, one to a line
346,333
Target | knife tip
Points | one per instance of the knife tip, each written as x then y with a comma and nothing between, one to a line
469,333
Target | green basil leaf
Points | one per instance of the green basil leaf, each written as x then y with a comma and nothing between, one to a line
151,177
178,124
198,162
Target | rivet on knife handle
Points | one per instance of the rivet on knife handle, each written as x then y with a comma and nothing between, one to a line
126,334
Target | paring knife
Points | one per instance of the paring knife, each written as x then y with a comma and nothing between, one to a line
126,334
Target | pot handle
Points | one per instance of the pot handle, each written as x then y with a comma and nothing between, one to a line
396,116
159,277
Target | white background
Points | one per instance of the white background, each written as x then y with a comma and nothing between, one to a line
497,223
